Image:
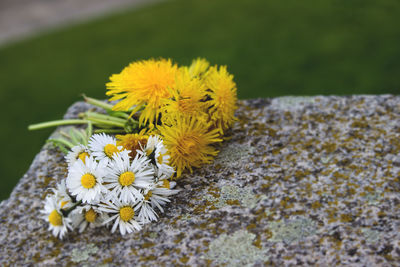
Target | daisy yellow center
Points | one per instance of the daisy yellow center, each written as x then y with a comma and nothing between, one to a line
82,156
148,195
90,216
55,218
126,178
126,213
63,203
110,149
88,181
166,184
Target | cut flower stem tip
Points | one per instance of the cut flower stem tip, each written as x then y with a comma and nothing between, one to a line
93,115
107,107
97,103
105,122
110,131
48,124
62,142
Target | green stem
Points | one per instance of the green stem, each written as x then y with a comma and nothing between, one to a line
68,211
120,114
107,107
59,145
100,122
97,103
109,131
64,134
48,124
89,114
89,130
61,141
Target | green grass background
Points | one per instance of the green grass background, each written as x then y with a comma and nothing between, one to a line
273,48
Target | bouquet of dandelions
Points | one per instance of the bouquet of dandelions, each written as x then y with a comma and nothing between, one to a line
167,119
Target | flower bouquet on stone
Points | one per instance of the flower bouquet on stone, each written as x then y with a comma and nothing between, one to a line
161,120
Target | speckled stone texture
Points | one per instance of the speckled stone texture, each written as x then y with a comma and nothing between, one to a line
308,181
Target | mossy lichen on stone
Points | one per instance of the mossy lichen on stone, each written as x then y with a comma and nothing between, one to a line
292,230
236,250
233,153
229,193
153,235
186,217
373,198
371,236
326,160
82,255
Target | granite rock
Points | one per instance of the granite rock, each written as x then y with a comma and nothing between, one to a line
302,181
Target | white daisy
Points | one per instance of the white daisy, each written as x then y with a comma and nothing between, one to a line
146,212
58,224
84,181
62,195
125,178
157,153
88,215
165,183
158,195
76,153
103,146
124,216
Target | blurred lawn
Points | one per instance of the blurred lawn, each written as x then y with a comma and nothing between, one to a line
272,47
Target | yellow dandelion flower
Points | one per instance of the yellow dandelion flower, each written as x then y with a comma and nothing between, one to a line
189,143
198,67
133,142
223,97
143,83
187,99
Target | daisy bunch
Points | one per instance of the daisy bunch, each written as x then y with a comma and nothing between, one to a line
107,186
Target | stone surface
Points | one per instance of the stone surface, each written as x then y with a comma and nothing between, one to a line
309,181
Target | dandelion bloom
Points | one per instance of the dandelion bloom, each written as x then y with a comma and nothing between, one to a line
143,84
189,143
223,97
198,67
133,142
187,98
